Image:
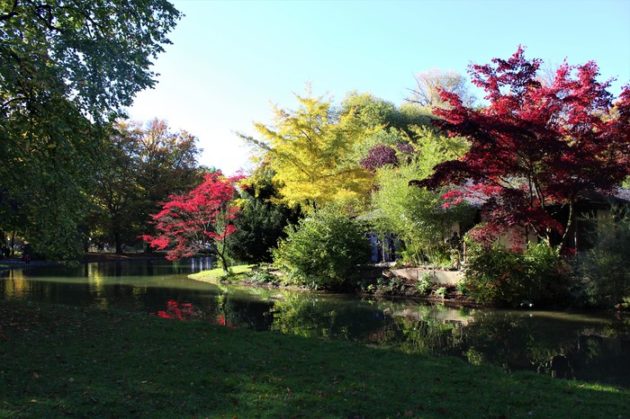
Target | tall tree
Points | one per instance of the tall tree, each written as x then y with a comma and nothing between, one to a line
96,54
65,67
142,167
536,148
310,152
415,215
187,223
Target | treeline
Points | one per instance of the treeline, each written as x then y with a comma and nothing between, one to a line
67,71
514,175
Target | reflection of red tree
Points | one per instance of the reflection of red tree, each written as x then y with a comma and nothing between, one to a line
186,311
179,311
222,321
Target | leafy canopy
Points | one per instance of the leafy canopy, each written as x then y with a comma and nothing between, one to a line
141,166
187,223
535,146
65,68
96,54
323,250
415,214
310,152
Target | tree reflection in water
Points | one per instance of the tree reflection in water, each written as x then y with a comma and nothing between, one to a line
594,347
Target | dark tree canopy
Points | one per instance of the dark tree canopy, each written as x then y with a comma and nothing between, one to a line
66,67
97,53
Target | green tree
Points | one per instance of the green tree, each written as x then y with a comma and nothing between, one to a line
374,112
605,278
415,214
323,250
262,218
65,68
142,167
96,54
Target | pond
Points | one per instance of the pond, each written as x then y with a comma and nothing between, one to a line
589,346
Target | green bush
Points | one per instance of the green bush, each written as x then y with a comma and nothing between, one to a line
425,283
323,250
500,276
603,270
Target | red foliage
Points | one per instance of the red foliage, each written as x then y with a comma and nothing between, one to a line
380,155
178,311
187,222
535,145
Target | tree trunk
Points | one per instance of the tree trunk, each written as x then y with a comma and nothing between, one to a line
118,243
567,228
224,264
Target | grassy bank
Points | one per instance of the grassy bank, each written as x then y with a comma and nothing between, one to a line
213,275
57,360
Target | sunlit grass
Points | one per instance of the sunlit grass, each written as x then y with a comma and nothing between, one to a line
234,273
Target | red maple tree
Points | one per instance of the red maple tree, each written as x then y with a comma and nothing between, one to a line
188,223
536,148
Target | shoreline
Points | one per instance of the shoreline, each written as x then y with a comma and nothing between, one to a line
246,283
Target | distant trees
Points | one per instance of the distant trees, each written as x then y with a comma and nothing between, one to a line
141,167
66,69
430,83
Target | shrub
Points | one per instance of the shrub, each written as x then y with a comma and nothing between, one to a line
603,270
262,275
504,277
323,250
425,283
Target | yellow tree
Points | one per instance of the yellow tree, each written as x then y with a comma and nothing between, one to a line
310,152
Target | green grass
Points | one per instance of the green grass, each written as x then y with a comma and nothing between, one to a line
235,273
66,361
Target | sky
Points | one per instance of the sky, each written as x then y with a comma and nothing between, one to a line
230,61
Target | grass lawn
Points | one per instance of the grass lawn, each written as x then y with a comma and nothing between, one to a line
67,361
213,275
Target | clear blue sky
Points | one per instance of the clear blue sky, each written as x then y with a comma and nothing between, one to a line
231,60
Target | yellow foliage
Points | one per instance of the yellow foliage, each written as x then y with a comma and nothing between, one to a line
310,153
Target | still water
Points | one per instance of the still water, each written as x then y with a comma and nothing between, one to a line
592,347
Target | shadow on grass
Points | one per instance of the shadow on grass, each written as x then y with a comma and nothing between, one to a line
57,360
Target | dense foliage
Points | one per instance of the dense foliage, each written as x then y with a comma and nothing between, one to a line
309,152
323,250
66,68
262,218
380,155
603,270
536,276
415,214
189,223
535,146
141,167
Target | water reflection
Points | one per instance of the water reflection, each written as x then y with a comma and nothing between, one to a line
584,346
